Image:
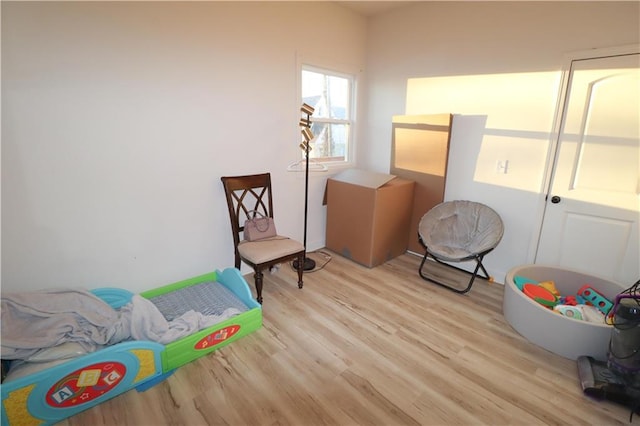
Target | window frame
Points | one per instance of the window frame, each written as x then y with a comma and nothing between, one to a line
349,122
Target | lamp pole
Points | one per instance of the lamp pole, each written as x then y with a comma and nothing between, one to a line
309,264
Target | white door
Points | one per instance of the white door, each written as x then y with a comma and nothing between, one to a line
593,206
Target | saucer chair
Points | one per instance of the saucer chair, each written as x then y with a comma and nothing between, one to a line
459,231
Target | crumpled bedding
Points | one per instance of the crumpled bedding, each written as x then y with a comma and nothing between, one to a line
456,230
32,321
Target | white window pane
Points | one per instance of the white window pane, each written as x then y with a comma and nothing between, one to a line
338,97
330,141
330,95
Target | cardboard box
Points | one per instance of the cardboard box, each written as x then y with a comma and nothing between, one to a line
420,152
368,216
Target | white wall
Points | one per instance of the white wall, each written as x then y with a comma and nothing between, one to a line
497,66
120,117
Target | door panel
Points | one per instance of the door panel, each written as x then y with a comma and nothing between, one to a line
594,226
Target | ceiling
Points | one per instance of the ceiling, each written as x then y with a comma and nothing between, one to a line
371,8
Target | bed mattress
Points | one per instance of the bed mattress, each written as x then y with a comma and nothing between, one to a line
208,298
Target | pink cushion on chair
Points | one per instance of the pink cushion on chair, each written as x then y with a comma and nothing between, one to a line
268,248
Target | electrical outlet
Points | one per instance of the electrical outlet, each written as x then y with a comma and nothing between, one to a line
502,166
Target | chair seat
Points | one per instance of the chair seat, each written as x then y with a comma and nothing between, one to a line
449,253
265,250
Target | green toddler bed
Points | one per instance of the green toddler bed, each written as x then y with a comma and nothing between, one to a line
47,392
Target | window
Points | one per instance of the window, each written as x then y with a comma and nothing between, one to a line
330,93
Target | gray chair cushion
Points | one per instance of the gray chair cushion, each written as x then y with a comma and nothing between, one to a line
457,230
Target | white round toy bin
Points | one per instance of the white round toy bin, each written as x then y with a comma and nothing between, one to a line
561,335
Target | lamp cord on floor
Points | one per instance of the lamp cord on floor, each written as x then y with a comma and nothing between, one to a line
327,258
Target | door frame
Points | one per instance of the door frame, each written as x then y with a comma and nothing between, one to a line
554,144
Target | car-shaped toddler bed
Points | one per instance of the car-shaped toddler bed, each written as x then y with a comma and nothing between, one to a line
48,392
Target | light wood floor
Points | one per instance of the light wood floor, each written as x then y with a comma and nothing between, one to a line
360,346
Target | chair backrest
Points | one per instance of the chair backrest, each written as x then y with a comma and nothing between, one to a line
462,224
245,196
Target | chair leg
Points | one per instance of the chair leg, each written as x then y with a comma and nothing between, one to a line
258,281
300,269
474,274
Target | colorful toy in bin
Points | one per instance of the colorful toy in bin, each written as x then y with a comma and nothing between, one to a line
520,281
596,299
569,311
540,294
551,286
587,305
569,300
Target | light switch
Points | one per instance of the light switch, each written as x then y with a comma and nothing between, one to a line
502,166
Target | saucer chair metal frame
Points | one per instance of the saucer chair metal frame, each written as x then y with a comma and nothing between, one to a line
459,231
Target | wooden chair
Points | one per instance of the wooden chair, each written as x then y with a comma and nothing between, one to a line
245,195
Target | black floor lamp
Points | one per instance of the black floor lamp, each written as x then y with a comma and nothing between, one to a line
305,123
